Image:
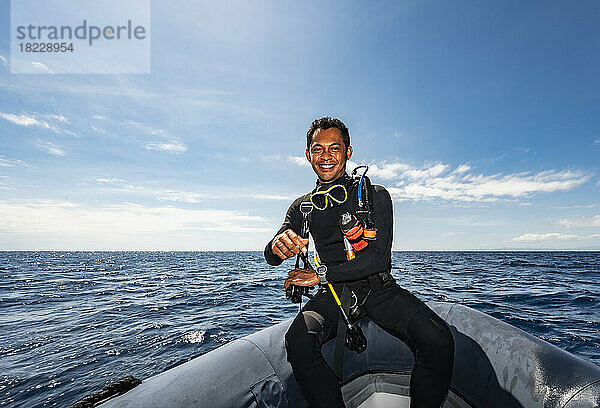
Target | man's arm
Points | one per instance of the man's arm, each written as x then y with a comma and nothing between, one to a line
377,255
287,241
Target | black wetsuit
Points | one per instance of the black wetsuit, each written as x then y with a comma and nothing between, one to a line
391,307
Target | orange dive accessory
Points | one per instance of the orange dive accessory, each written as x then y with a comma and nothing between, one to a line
350,254
370,234
353,231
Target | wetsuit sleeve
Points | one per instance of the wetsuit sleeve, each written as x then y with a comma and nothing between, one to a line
293,221
377,256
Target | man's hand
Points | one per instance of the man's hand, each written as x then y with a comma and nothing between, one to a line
288,244
301,277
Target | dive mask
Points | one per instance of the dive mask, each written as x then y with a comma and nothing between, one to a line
336,194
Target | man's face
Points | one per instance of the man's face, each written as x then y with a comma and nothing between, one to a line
328,154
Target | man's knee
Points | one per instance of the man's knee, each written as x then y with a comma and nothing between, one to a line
297,340
433,339
302,341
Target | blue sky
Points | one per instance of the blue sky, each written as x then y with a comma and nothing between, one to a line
482,120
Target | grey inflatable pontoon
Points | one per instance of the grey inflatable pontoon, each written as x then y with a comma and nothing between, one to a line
496,366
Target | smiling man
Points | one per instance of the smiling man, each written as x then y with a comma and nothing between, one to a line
361,274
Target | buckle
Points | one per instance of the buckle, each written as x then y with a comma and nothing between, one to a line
306,207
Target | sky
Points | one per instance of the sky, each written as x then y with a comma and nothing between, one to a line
482,119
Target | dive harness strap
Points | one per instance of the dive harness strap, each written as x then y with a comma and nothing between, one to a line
340,340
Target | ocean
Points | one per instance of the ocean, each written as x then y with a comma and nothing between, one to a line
72,322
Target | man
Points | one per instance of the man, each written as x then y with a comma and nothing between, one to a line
367,277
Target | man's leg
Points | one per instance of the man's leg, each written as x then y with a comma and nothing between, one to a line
316,324
403,315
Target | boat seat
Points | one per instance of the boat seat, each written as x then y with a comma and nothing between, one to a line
387,390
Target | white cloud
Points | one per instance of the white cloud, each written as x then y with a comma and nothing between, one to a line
41,67
60,118
463,168
145,128
172,146
68,219
4,60
100,117
271,157
117,184
448,234
385,171
427,173
597,141
32,120
580,222
299,161
593,205
111,180
437,181
394,170
551,236
460,221
98,129
179,196
50,148
4,162
68,132
24,120
161,194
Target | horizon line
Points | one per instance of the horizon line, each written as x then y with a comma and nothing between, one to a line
261,250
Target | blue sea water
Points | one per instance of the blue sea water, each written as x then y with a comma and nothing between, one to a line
72,322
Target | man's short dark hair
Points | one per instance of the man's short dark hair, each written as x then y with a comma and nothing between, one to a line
325,123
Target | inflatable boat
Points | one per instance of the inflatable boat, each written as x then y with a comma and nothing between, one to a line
496,366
